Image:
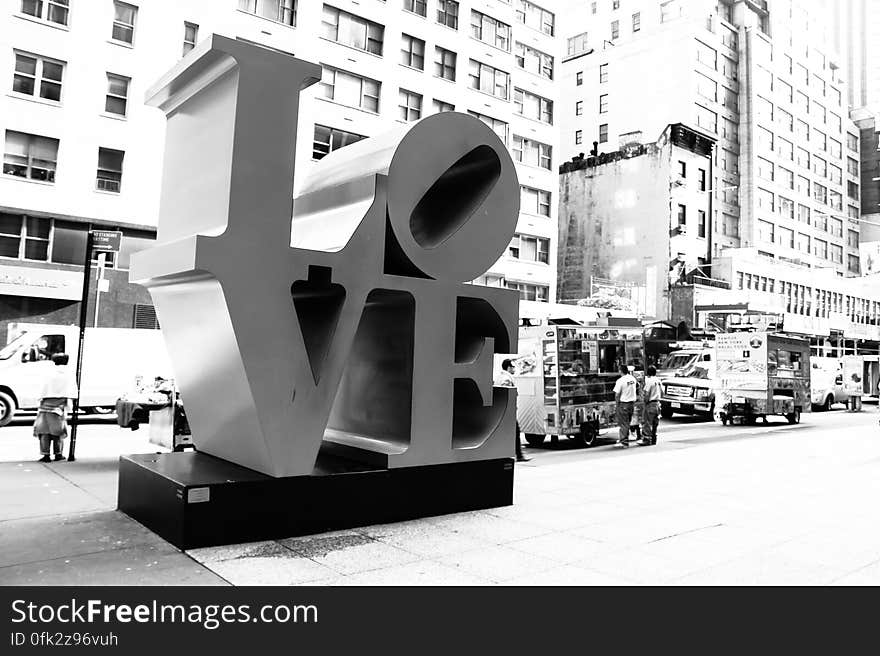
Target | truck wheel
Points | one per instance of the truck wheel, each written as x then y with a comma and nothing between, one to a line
533,439
666,410
829,401
794,417
588,435
7,409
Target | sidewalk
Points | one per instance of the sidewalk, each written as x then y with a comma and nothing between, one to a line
712,505
59,524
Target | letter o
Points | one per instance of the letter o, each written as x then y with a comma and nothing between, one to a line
453,197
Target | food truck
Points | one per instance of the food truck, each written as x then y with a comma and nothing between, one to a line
761,374
565,377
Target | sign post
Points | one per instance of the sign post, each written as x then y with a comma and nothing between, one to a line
97,240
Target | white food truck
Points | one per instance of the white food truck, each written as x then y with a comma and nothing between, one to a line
113,359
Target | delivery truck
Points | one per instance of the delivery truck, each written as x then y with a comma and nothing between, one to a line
761,374
113,358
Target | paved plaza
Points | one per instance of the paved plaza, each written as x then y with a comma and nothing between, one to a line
773,504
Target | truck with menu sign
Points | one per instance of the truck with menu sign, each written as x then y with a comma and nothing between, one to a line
761,374
565,377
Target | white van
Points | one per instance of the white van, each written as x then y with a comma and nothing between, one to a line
826,383
113,359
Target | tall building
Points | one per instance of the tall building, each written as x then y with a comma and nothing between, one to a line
608,251
751,75
856,28
81,150
856,34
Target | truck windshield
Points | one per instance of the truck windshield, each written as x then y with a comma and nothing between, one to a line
696,371
677,360
10,349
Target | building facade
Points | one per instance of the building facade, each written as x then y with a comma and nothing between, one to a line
634,222
841,316
82,151
753,76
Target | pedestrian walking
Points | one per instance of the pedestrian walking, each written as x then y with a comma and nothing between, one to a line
651,411
625,399
505,379
56,398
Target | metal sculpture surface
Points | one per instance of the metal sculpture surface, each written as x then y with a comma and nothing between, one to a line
352,323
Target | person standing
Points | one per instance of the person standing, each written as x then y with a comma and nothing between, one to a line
651,397
625,399
505,379
59,390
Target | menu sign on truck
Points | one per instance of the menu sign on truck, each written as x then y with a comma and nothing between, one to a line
741,361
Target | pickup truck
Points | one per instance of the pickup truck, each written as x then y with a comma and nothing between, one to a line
691,393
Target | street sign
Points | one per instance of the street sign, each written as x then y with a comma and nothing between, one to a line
106,240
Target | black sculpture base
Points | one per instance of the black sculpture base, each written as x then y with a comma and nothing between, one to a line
196,500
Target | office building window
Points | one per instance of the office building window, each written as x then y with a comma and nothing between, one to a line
441,106
603,73
350,89
419,7
37,76
498,126
578,137
538,18
852,238
535,201
412,52
410,105
707,56
615,30
444,63
852,167
579,78
30,156
852,190
489,80
682,215
533,106
853,264
529,292
109,170
534,61
328,139
116,101
53,11
190,36
701,179
529,248
490,30
603,103
577,44
579,108
766,231
786,237
447,13
603,133
701,223
280,11
531,152
637,21
354,31
124,17
24,237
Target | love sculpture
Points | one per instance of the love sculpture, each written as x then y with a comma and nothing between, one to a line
350,327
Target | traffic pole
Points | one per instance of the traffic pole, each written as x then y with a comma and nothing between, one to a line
83,314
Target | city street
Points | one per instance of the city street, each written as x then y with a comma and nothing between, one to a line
774,504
